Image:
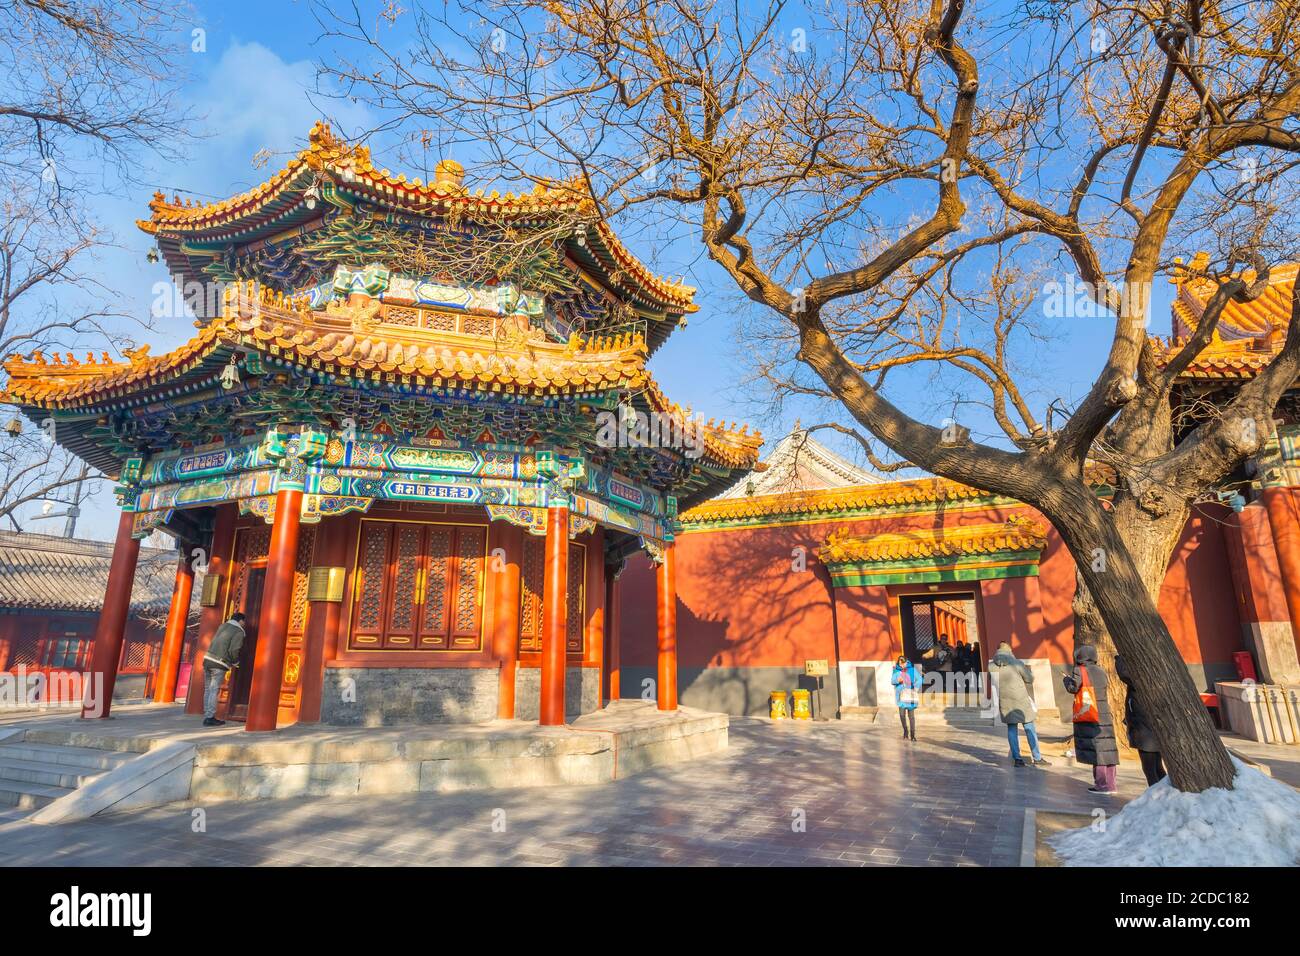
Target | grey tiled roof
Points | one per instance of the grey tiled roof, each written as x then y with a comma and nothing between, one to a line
71,574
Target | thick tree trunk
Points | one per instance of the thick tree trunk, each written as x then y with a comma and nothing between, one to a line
1150,541
1192,751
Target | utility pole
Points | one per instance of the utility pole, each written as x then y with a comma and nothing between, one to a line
74,506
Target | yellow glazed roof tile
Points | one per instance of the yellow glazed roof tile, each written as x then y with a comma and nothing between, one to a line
356,341
1018,533
446,195
1240,320
1248,336
831,500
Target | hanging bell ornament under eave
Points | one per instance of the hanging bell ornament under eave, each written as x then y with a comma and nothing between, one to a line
230,375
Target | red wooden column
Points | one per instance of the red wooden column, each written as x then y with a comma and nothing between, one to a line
595,624
339,627
109,632
320,641
219,555
666,579
505,557
273,627
613,601
1281,506
555,616
178,616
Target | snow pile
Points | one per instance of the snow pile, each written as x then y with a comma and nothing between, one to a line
1257,823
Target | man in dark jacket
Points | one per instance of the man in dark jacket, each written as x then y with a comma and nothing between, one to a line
220,659
1141,734
1094,742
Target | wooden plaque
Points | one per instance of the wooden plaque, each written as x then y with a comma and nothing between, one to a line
325,584
211,588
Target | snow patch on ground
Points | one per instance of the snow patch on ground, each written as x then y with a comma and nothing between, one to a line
1257,823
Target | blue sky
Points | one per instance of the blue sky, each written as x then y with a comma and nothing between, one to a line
252,89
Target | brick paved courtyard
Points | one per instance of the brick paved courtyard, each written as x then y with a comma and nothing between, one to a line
868,798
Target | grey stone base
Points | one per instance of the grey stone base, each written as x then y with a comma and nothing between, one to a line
581,692
314,760
129,687
739,691
625,738
380,697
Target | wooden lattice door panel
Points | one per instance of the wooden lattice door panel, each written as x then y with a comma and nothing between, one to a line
465,581
923,626
371,575
419,586
532,580
450,611
299,613
575,633
251,544
405,567
532,583
299,606
434,595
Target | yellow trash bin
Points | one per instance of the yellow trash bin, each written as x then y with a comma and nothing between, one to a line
776,705
802,705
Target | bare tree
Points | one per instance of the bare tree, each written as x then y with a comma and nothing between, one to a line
89,89
853,165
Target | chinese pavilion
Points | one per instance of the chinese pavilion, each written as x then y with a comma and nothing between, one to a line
391,446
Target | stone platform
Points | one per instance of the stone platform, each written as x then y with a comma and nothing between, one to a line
179,760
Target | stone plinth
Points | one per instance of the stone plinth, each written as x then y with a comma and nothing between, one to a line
1264,712
318,760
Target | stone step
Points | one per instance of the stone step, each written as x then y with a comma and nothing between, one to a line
88,740
53,774
83,758
29,796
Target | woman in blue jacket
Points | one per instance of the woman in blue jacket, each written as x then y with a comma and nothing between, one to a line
906,679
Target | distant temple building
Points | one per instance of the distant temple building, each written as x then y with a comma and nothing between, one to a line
51,593
416,442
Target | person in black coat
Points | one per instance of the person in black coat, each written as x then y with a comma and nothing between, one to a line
1094,743
1141,733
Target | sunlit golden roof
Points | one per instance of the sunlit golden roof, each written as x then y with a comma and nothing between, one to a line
1016,534
357,341
327,156
830,501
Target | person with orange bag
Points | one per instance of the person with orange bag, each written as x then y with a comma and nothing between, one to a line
1094,731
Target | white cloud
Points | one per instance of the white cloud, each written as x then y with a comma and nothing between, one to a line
254,100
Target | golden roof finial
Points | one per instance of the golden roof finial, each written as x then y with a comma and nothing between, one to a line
321,134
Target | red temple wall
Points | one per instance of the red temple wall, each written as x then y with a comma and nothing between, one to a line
742,605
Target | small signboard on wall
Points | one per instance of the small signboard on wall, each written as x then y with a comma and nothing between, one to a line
816,668
325,584
211,588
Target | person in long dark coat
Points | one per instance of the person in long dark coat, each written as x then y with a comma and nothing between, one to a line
1094,743
959,662
1141,733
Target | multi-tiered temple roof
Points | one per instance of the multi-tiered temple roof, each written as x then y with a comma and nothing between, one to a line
1249,334
493,338
330,205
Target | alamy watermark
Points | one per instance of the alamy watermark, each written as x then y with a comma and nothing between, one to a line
23,689
629,428
1077,299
